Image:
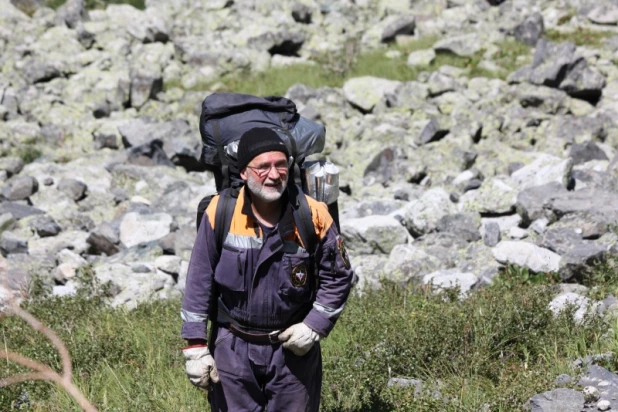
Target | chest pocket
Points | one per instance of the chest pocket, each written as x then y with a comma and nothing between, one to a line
230,272
298,266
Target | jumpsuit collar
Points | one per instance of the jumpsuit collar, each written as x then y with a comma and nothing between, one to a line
285,226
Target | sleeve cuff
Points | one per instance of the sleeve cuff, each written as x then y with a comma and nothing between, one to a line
193,330
318,323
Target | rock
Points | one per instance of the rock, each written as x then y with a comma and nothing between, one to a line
402,25
169,264
582,153
11,243
12,165
517,233
422,216
451,278
531,201
136,228
365,92
72,12
530,30
7,222
149,154
76,190
301,13
463,45
407,263
591,393
563,379
20,188
583,305
583,82
145,84
433,130
463,225
46,226
545,169
104,240
527,255
495,196
373,234
492,235
18,210
604,405
562,399
421,58
604,14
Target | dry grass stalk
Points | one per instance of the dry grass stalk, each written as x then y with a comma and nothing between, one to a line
42,372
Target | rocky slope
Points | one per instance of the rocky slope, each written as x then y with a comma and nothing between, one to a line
445,179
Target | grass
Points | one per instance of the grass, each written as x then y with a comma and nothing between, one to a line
497,348
579,37
334,70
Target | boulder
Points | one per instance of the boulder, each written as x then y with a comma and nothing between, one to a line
136,228
373,234
527,255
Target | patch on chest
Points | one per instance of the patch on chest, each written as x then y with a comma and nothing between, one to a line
299,275
343,252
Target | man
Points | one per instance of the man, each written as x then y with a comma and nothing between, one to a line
270,301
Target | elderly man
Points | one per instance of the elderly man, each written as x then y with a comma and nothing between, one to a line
270,300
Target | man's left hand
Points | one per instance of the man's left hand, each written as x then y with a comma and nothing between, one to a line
299,338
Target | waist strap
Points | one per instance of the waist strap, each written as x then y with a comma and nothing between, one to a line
269,338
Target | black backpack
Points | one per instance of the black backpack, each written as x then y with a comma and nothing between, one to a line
224,118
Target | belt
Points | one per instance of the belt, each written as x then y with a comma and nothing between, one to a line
270,338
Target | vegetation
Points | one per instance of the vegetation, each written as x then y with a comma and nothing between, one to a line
495,349
579,37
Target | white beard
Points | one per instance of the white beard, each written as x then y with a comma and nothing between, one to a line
266,191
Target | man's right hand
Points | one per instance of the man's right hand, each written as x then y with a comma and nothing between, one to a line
200,366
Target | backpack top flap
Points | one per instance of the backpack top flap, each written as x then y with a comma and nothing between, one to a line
229,115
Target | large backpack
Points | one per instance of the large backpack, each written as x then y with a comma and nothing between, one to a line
224,118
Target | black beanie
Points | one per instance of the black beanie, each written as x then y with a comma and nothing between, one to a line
257,141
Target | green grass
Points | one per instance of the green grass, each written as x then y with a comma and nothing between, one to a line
499,347
333,71
579,37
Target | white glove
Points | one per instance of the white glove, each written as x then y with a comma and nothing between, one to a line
200,366
299,338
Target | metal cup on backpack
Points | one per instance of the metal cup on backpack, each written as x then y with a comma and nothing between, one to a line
321,181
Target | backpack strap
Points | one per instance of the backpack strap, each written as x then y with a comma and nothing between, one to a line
224,213
303,219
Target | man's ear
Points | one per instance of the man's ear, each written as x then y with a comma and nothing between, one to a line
243,173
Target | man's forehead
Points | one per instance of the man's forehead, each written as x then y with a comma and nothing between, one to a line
268,157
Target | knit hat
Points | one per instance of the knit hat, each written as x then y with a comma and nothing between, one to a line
257,141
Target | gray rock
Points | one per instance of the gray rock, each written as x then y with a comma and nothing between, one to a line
18,210
530,30
422,215
440,83
582,153
545,169
558,400
136,228
583,82
373,234
583,306
12,165
46,226
301,13
145,84
560,240
446,247
7,222
403,25
464,225
149,154
73,188
563,379
365,92
20,188
452,278
421,58
73,12
463,45
11,243
406,383
407,263
531,201
534,258
492,234
434,130
104,240
604,14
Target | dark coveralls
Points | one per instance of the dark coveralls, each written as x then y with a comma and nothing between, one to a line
260,284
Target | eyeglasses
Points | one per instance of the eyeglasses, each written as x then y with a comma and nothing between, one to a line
264,170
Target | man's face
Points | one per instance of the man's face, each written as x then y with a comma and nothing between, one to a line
267,175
